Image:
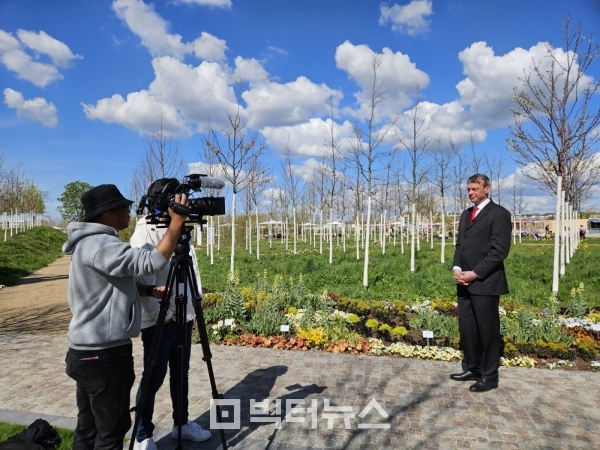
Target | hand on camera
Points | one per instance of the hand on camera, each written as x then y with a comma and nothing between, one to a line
180,209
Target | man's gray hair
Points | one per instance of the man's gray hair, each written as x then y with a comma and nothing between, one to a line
479,177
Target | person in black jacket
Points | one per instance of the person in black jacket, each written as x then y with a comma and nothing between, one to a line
482,245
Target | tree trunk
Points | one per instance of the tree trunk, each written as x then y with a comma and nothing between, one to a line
412,240
330,236
257,237
368,231
294,212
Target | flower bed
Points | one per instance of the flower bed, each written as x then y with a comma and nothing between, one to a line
532,337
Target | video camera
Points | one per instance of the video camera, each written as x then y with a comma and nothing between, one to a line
161,196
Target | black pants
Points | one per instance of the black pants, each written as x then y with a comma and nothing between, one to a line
479,325
104,381
166,358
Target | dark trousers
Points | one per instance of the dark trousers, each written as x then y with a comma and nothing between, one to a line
479,325
104,380
166,357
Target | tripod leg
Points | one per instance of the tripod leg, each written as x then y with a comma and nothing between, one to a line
207,356
152,354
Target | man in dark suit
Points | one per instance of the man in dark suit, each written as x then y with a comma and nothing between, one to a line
482,245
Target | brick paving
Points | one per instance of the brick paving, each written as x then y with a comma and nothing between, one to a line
532,409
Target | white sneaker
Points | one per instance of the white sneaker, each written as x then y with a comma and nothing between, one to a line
192,431
146,444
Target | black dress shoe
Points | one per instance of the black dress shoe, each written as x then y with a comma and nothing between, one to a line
465,376
484,385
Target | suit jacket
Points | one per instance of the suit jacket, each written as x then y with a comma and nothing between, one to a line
482,247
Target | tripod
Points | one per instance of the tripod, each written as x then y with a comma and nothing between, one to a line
180,273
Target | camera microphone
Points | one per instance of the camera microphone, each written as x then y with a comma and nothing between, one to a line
212,183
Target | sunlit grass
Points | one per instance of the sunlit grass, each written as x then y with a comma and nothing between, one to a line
528,267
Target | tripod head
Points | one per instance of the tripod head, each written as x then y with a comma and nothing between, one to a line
183,241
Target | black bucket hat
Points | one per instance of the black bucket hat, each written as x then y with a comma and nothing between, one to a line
101,199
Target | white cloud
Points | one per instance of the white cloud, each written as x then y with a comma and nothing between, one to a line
209,47
396,73
225,4
307,139
290,103
58,51
15,59
206,93
491,78
141,112
249,70
308,168
206,96
280,51
37,109
408,18
447,120
152,29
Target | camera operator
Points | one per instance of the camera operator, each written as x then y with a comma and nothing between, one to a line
147,236
104,300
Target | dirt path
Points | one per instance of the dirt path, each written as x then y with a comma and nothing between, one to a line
37,304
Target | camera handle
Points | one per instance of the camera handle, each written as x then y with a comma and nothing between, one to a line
181,271
180,209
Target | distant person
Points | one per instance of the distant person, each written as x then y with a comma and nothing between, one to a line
582,232
104,300
482,245
147,236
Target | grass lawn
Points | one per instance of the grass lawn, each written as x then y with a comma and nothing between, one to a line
528,267
28,251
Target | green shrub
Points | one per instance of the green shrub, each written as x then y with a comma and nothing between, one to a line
267,319
510,351
552,349
353,318
525,347
587,349
212,299
444,305
578,304
399,331
385,328
371,324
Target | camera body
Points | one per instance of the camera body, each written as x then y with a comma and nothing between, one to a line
161,196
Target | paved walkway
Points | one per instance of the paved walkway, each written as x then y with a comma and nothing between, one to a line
533,408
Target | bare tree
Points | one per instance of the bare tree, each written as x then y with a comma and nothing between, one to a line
555,125
235,148
443,157
495,168
292,187
366,147
159,160
17,193
256,183
460,171
476,160
332,154
416,143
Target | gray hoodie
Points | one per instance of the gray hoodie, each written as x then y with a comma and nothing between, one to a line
103,295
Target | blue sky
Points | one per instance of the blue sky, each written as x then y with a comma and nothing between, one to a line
84,82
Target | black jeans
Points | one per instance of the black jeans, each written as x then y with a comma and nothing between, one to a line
104,381
166,357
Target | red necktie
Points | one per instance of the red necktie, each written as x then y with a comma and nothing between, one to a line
473,214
